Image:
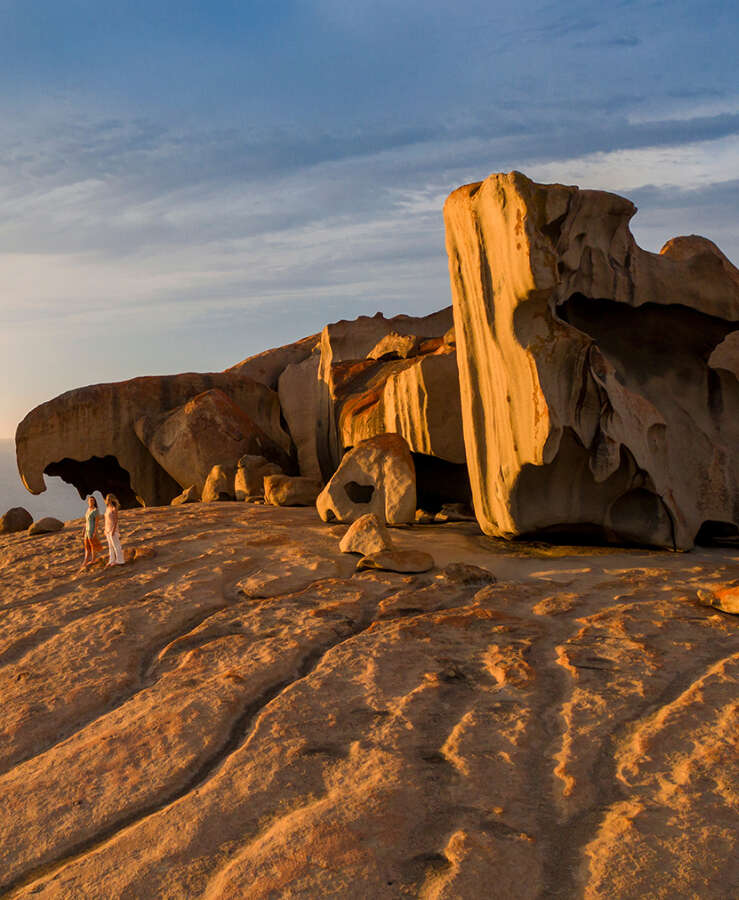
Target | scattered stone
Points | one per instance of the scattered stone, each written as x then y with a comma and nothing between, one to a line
378,476
366,535
423,517
455,512
287,490
725,599
15,519
250,475
219,484
48,525
467,574
189,495
398,561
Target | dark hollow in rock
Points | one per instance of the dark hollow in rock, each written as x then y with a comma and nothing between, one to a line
102,474
359,493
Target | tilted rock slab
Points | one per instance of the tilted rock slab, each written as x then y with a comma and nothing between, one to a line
208,430
378,476
87,435
598,381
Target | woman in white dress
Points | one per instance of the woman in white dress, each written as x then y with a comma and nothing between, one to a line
112,532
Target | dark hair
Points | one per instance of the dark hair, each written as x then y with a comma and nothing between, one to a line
92,497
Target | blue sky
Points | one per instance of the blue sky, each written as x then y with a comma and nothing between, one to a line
184,184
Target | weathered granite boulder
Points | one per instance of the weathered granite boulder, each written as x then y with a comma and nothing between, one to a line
250,474
377,476
284,490
190,495
404,561
349,342
299,399
47,525
598,389
266,367
208,430
219,485
366,535
87,436
15,519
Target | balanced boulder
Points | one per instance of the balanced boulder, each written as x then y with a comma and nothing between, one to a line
366,535
15,519
286,490
377,476
47,525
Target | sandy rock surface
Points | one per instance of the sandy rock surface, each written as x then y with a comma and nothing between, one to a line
238,713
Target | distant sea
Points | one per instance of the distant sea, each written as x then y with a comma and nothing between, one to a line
59,499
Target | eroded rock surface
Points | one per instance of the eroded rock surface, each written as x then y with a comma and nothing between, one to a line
376,477
208,430
240,714
87,436
598,381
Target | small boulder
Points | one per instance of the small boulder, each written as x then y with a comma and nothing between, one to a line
47,525
286,490
15,519
219,485
455,512
189,495
423,517
467,575
378,476
725,599
250,475
366,535
405,561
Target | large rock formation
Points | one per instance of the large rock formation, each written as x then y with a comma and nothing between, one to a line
206,431
87,436
598,381
349,343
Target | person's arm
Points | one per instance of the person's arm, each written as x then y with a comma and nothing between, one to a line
115,520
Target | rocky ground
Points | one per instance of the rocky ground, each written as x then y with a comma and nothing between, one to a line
236,713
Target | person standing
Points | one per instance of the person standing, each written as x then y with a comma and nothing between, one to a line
90,539
112,532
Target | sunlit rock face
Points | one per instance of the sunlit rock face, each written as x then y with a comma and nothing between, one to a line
87,436
598,381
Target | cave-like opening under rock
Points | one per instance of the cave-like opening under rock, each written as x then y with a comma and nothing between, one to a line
98,473
717,533
439,481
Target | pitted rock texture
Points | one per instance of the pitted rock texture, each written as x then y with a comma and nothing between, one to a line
598,381
240,714
208,430
376,477
87,436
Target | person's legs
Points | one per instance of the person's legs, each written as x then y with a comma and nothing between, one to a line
116,545
111,549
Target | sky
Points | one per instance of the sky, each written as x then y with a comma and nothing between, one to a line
184,184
